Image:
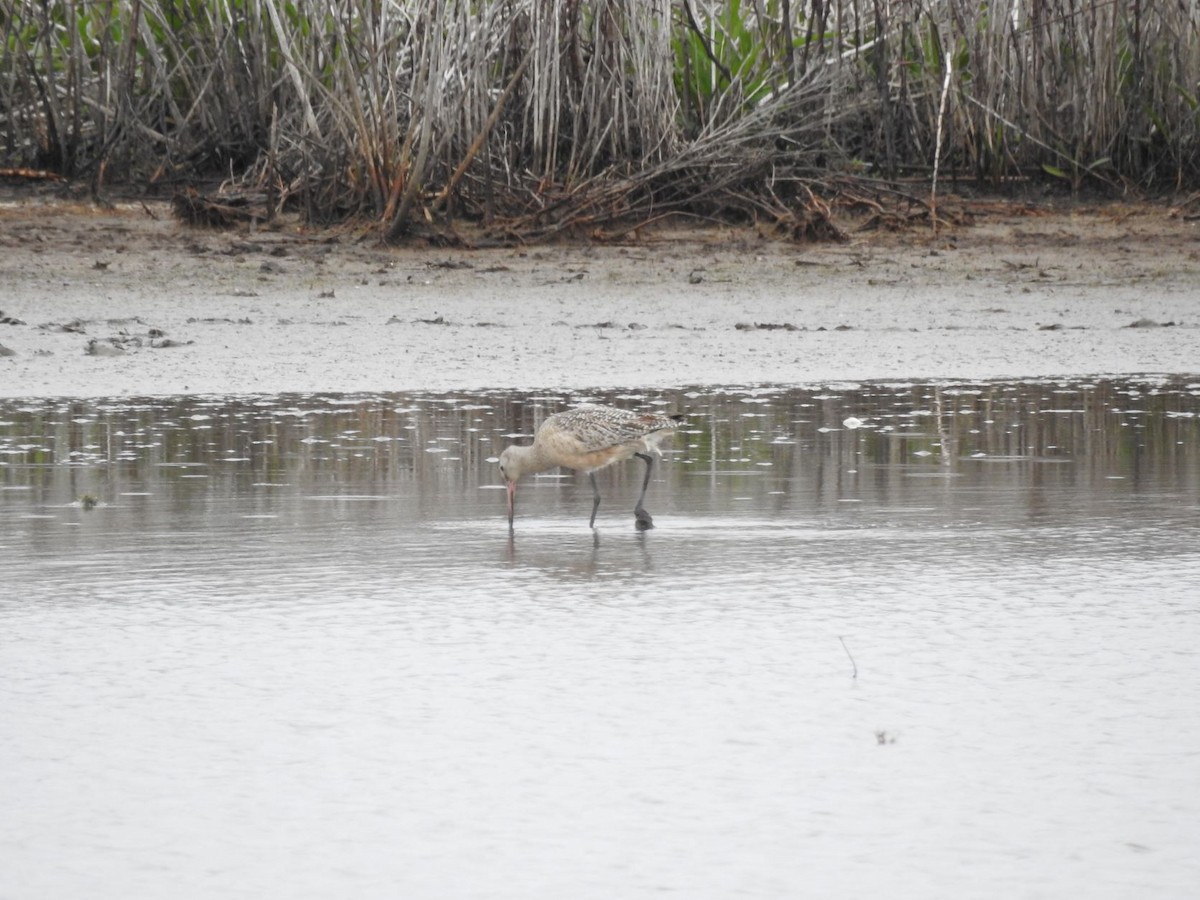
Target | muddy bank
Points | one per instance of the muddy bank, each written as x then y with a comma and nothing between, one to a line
128,302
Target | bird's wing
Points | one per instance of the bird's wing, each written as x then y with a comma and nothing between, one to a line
594,428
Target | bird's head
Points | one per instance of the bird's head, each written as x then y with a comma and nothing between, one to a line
510,471
510,464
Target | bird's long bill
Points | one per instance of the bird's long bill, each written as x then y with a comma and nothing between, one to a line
512,501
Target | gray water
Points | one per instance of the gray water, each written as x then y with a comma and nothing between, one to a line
897,640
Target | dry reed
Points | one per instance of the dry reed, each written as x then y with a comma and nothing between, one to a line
535,116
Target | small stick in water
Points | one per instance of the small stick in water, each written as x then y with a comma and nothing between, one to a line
847,649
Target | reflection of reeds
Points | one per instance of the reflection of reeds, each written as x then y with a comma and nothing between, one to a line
536,116
918,444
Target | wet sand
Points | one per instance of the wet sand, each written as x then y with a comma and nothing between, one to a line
128,302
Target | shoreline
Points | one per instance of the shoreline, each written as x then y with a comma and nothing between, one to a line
167,309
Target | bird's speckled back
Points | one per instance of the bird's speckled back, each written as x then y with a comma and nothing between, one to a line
595,428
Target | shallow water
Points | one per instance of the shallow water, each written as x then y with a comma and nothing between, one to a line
917,640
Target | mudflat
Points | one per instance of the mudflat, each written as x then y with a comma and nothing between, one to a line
126,301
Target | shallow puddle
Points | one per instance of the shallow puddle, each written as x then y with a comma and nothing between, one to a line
913,639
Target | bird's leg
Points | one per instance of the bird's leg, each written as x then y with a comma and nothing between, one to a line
595,499
643,518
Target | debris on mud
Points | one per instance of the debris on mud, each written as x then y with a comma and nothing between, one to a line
220,209
75,326
120,344
767,326
103,347
1150,323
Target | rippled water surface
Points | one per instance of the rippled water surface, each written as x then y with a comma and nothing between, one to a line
894,640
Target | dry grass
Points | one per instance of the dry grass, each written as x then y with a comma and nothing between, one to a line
533,117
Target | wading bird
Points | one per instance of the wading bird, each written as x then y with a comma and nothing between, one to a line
586,439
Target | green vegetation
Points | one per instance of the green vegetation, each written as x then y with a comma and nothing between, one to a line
532,117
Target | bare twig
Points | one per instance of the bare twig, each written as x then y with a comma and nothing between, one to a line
847,649
937,144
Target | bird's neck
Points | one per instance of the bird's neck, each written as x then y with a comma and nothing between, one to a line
532,460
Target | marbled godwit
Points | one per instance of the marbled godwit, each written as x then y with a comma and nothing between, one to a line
586,439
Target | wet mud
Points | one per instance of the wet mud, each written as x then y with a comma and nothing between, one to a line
128,302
